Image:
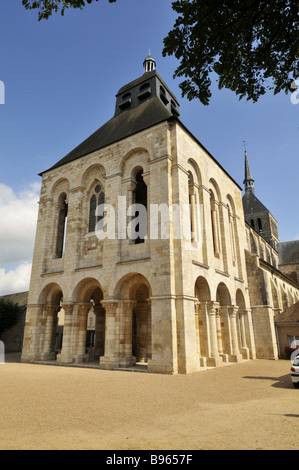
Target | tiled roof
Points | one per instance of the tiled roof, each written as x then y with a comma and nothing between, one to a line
21,298
290,315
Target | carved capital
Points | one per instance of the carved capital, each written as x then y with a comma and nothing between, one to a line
84,307
68,307
51,309
110,306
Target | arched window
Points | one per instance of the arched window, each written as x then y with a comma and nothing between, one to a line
192,205
232,234
144,91
215,227
163,96
125,101
140,197
62,223
97,198
260,225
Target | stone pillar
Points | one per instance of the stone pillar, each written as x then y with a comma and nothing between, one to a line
164,336
110,360
214,360
31,344
149,329
66,356
128,359
244,349
50,332
99,346
219,332
83,309
197,325
235,355
142,311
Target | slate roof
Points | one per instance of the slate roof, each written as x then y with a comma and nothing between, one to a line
145,77
252,204
290,315
148,114
289,252
20,298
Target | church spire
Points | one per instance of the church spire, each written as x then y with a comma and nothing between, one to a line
248,181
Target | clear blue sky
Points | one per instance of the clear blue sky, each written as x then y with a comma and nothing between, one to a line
61,77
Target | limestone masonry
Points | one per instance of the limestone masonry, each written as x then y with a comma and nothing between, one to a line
176,304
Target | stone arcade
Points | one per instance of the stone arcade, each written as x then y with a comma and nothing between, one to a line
175,304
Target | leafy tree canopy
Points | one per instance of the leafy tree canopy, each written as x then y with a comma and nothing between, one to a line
251,46
10,313
47,7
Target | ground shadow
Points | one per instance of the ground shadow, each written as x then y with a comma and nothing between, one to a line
284,381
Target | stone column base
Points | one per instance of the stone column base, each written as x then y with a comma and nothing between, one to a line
65,359
50,356
80,358
203,362
108,363
127,361
214,361
245,353
235,358
224,357
30,357
155,368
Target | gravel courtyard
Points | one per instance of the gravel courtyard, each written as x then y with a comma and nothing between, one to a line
252,405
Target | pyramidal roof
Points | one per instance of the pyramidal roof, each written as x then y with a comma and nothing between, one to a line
141,104
119,127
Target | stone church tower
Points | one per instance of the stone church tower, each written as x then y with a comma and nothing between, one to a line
142,230
256,214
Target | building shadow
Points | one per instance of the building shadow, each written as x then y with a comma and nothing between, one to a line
13,357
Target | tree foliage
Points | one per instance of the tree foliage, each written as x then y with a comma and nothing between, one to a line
47,7
10,314
249,46
252,45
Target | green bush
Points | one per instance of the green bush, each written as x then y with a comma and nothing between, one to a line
10,314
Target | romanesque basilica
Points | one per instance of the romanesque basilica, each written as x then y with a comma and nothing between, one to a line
111,288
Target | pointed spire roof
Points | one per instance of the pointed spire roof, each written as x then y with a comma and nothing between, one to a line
248,181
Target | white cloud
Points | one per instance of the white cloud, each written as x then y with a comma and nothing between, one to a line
15,280
18,217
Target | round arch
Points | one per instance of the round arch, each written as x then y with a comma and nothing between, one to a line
62,185
129,286
202,289
88,289
223,295
194,168
138,157
94,173
215,188
240,299
51,294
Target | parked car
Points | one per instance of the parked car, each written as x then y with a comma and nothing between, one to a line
295,372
